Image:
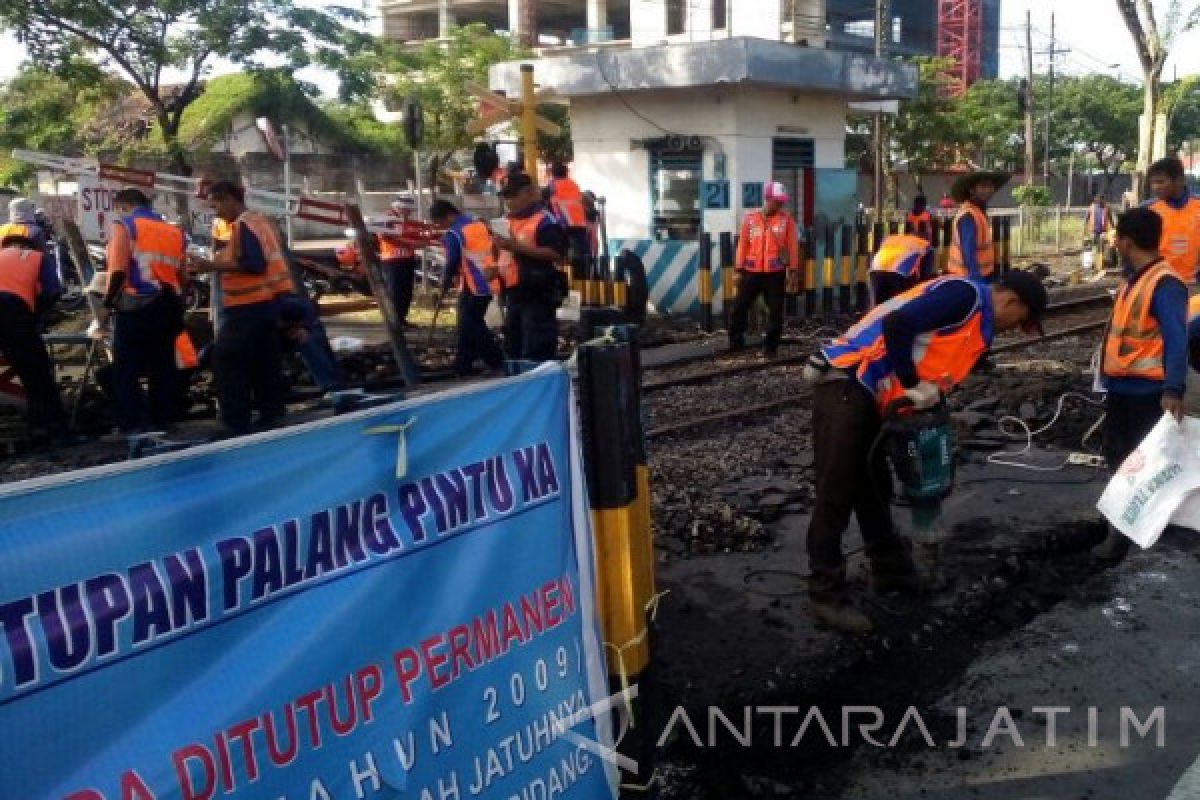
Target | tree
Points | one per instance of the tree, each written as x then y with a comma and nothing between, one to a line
1153,45
1098,113
1181,104
435,74
148,43
988,125
924,130
56,112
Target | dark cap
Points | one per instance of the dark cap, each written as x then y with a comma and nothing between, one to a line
1028,287
515,183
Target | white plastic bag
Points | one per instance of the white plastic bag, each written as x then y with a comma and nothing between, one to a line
1151,489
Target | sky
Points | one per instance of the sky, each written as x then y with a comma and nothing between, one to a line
1091,29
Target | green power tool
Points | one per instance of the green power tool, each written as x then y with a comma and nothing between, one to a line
921,449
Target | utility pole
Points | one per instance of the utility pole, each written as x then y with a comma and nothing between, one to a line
1030,165
1053,53
882,15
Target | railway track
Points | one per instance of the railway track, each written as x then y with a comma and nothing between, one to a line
683,422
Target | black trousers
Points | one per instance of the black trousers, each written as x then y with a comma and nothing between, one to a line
25,351
1128,419
144,347
401,275
772,286
530,328
886,285
845,426
475,341
247,366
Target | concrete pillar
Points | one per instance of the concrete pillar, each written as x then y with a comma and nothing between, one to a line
445,19
522,21
597,18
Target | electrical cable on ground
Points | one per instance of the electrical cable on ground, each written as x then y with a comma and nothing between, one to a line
1005,458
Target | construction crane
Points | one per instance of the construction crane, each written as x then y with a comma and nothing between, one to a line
960,38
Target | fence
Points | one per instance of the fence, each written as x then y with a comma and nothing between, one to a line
696,278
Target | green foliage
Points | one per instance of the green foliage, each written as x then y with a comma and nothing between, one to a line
141,40
436,72
988,126
55,112
358,123
923,134
1032,196
1100,114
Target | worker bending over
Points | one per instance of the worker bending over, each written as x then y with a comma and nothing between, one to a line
768,250
913,347
1144,361
471,257
247,364
903,261
971,252
1180,214
29,286
145,258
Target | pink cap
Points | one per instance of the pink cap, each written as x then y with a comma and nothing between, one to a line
774,190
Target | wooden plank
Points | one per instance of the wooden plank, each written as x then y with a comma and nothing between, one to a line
370,260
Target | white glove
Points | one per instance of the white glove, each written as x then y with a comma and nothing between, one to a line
924,395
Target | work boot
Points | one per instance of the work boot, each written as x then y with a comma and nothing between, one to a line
840,615
1113,549
904,583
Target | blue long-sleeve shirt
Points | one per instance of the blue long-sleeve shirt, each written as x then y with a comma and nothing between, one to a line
48,281
254,259
949,303
1168,306
452,242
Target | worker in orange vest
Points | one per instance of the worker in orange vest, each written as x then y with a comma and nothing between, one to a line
919,221
247,364
903,261
398,257
914,348
1145,356
471,257
145,259
971,253
22,221
534,286
768,250
29,286
1180,213
565,199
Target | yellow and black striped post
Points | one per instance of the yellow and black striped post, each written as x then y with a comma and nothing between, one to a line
828,267
614,451
862,264
943,232
846,273
620,287
728,284
997,246
705,286
810,273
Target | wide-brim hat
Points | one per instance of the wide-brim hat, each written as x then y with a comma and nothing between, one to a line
961,189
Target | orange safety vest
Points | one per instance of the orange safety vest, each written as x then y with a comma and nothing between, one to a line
392,248
1180,243
916,221
765,245
1133,345
984,256
525,232
157,251
185,352
19,273
1193,307
901,254
477,272
567,200
245,288
944,356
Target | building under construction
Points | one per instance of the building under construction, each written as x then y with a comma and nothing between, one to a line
965,31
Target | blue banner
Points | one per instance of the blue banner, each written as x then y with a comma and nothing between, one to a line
396,603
